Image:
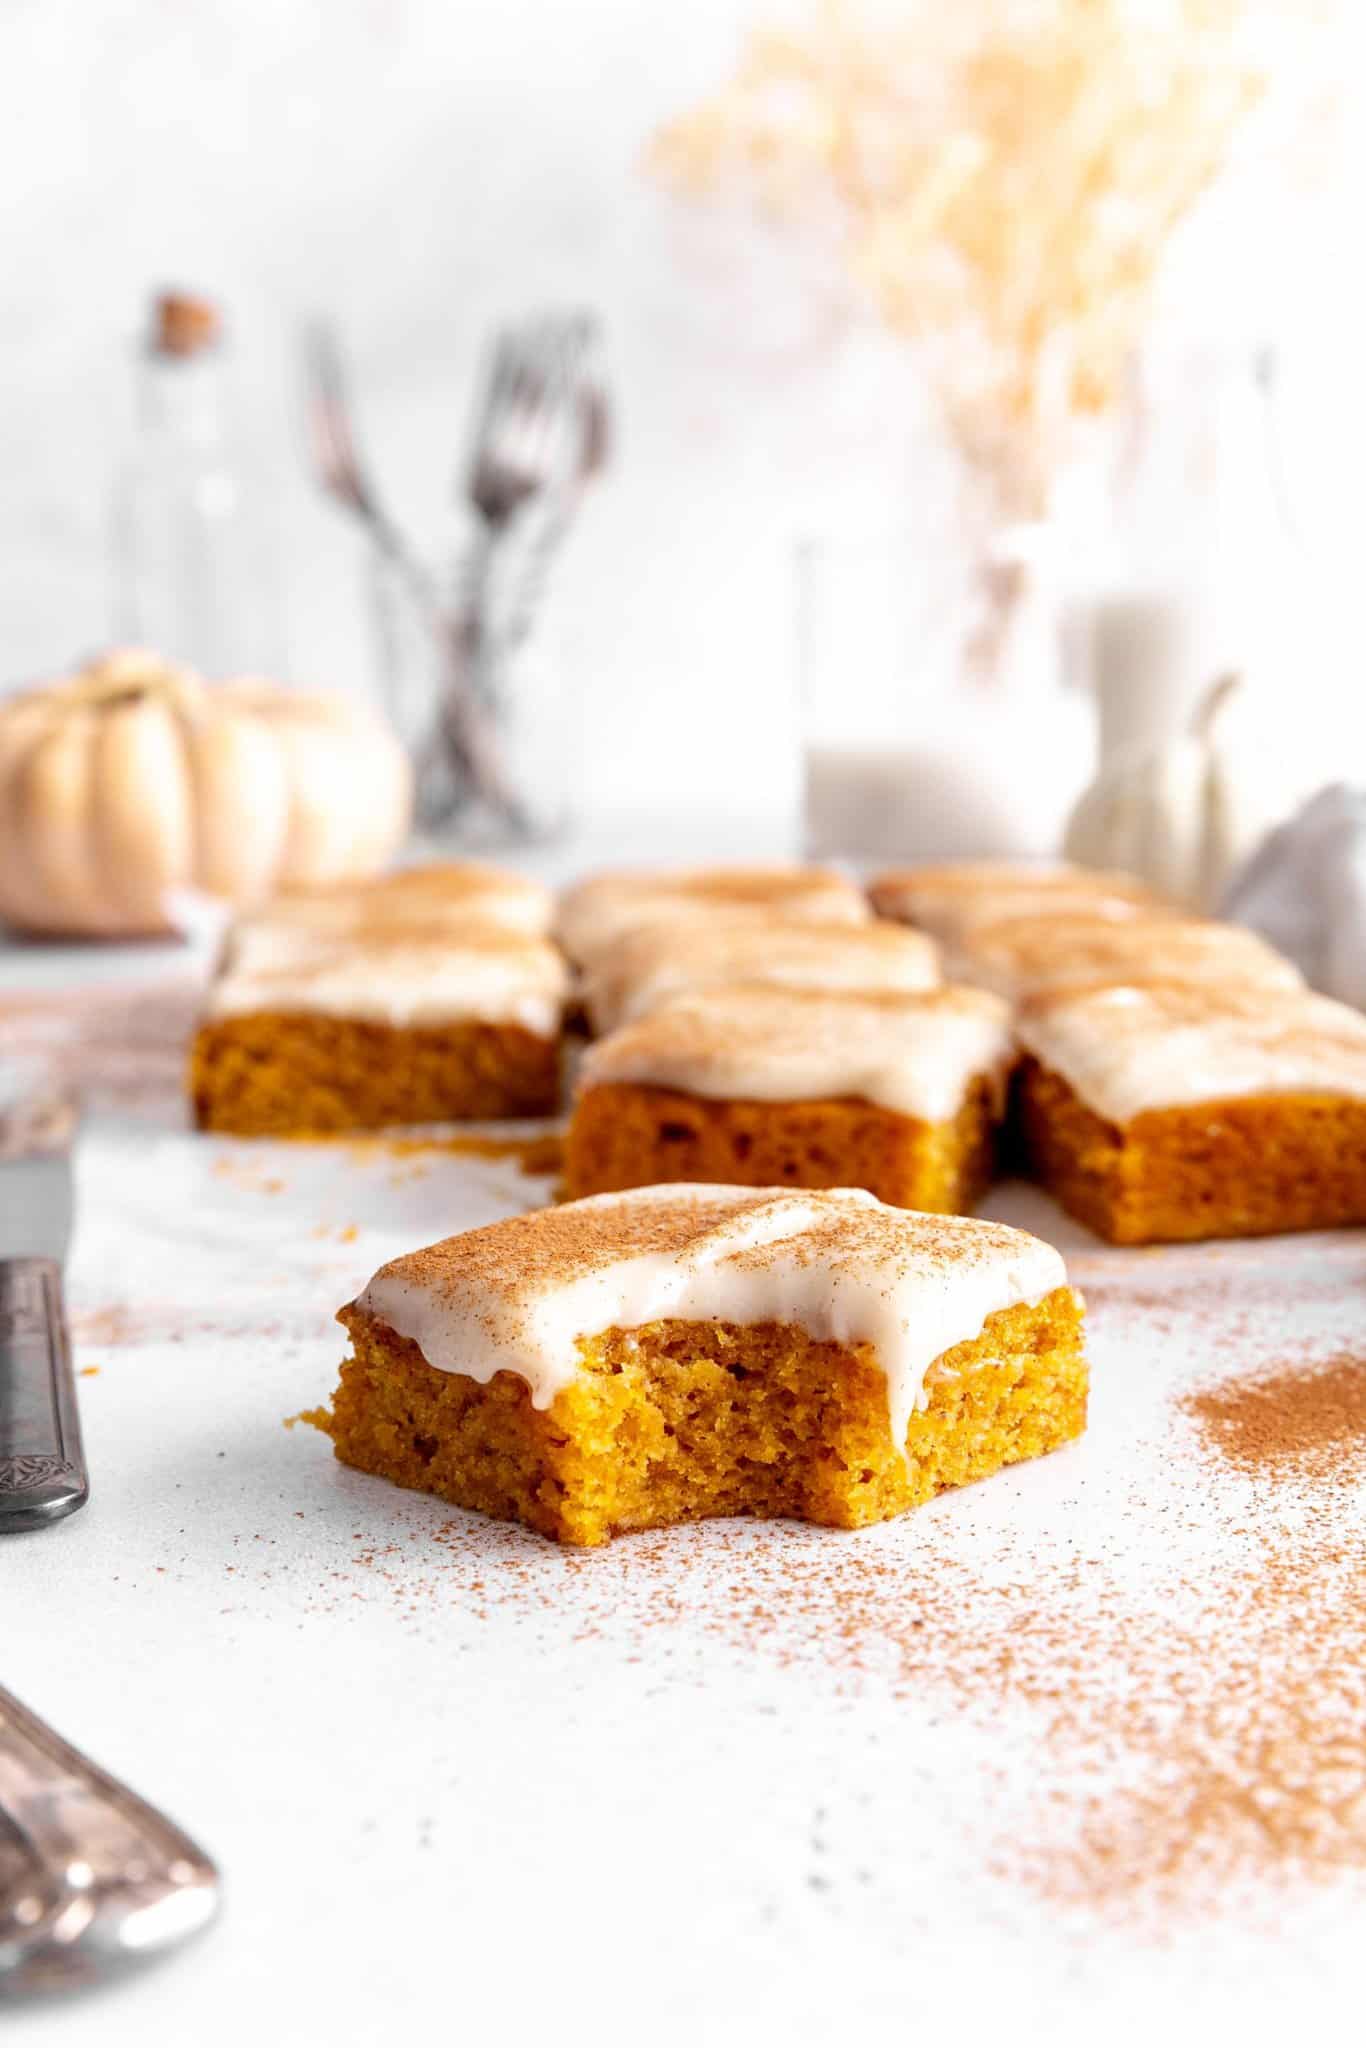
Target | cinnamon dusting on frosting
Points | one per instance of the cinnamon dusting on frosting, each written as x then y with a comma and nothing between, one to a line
650,964
401,976
945,900
1022,956
595,912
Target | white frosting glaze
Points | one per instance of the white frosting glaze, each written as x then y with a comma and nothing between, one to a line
410,900
911,1053
1160,1046
518,1295
946,900
646,967
1022,956
597,911
485,975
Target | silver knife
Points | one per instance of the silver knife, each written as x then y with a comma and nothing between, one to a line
42,1462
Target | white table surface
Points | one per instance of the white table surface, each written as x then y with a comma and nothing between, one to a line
464,1785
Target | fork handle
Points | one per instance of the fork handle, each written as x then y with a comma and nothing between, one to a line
42,1462
91,1877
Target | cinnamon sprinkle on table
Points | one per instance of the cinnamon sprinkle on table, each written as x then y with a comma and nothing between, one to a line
1309,1416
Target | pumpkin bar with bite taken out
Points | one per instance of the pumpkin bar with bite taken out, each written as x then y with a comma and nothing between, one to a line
381,1028
1169,1111
673,1353
899,1093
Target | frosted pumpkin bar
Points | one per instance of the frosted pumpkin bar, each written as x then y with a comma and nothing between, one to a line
680,1352
946,899
897,1093
1170,1111
375,1029
1024,956
595,912
651,964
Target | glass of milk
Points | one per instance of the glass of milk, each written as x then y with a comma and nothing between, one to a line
931,731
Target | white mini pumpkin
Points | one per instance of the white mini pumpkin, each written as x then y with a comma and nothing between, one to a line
1184,814
134,779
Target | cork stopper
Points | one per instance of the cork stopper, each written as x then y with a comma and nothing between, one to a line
183,325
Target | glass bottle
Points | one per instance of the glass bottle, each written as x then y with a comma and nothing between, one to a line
1204,573
192,573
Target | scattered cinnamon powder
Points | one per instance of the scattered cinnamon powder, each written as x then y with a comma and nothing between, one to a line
538,1153
1161,1749
118,1324
1310,1416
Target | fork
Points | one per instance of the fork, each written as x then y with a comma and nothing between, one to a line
338,462
591,436
526,439
521,446
473,748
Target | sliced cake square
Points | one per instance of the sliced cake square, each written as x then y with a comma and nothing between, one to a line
897,1093
1167,1111
372,1030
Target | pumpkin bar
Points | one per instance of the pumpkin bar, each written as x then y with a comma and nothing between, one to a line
945,900
673,1353
596,912
1165,1111
405,1028
1021,957
651,964
897,1093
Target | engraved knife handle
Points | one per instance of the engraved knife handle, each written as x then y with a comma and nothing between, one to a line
92,1878
42,1463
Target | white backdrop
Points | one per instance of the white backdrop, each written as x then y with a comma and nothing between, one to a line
418,168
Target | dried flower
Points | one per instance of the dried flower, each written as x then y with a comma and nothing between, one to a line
1004,177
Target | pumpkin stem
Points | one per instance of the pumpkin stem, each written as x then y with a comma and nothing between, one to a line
1206,714
129,674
